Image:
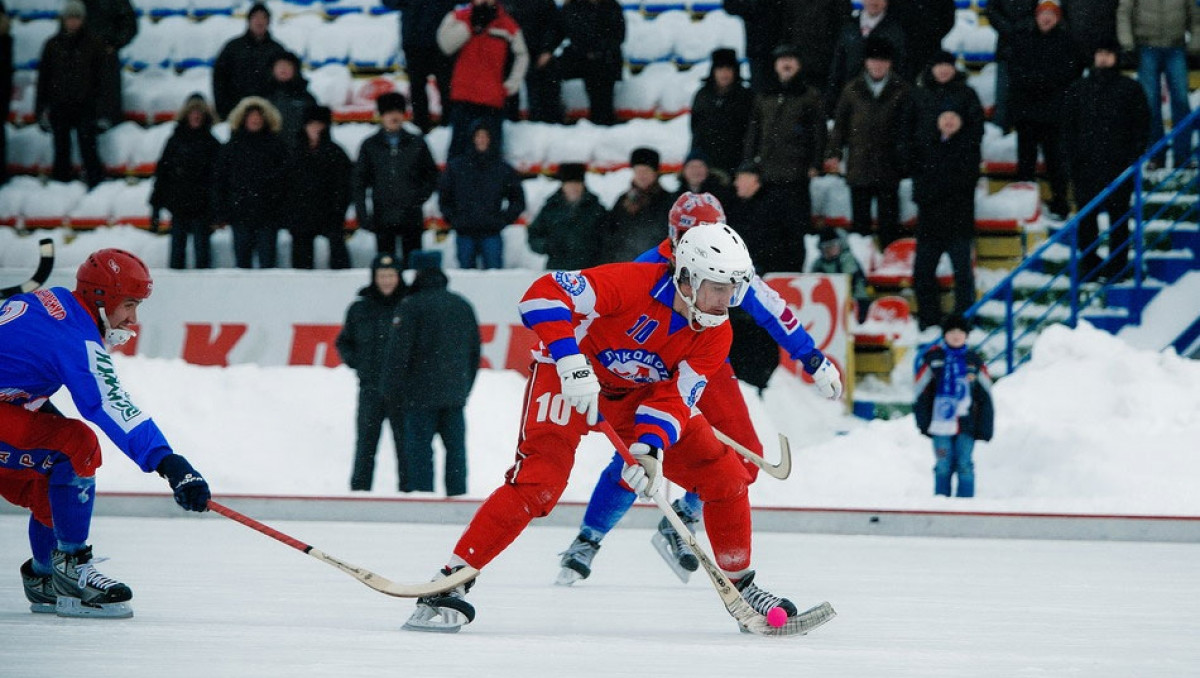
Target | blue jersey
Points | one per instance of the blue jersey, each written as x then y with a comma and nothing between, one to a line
768,309
48,340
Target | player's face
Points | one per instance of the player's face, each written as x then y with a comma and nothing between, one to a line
714,297
124,316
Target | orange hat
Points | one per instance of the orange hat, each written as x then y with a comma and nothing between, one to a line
1051,6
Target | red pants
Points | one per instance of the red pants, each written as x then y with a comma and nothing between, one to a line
30,442
551,432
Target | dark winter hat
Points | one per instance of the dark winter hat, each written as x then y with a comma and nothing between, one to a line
724,57
74,8
424,259
875,47
829,235
571,171
749,167
697,154
258,7
1108,43
956,321
943,57
288,57
318,114
385,260
644,156
785,50
390,101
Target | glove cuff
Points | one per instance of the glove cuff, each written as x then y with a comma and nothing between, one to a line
174,466
813,361
570,363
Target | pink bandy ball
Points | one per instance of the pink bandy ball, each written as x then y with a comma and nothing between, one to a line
776,617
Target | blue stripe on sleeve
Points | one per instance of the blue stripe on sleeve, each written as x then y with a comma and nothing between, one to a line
672,434
545,315
563,347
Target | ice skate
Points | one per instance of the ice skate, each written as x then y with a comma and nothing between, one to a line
84,592
672,546
797,623
577,561
39,589
445,612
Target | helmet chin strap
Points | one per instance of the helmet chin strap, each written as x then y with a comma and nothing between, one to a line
113,337
699,320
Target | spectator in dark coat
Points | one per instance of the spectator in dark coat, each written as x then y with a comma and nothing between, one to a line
1010,18
873,121
945,170
423,59
490,65
636,222
183,183
814,27
568,229
243,67
362,345
288,93
396,170
954,406
436,345
595,30
1042,67
250,182
786,137
1105,123
944,88
6,82
541,25
925,23
873,20
721,113
479,194
70,75
319,183
763,21
115,23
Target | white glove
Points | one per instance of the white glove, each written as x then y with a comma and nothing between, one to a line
645,477
580,387
828,380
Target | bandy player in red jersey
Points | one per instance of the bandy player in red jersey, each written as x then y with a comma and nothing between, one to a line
636,344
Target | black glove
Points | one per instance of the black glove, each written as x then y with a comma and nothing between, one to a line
190,488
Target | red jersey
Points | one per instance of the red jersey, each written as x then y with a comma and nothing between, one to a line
621,317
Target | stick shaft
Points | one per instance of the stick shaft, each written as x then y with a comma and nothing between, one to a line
255,525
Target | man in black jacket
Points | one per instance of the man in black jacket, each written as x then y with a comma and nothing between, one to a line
397,170
721,113
1105,123
319,182
362,345
541,24
183,183
419,20
431,361
595,31
243,67
479,194
68,91
114,22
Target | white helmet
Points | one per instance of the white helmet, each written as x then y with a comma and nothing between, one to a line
712,252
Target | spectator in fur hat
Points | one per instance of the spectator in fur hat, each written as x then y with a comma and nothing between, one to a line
721,112
568,227
70,75
396,171
250,182
635,222
319,185
183,183
243,66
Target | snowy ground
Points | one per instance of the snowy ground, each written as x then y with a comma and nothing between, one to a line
213,598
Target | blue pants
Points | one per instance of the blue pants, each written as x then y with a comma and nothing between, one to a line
611,501
1153,64
420,425
954,456
487,251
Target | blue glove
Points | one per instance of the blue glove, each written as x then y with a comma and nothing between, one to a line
190,488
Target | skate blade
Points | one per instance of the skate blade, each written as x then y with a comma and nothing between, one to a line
76,608
567,577
42,608
435,620
799,625
660,544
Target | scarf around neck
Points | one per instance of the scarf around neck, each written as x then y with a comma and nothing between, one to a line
953,397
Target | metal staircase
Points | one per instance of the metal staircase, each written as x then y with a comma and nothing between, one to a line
1046,288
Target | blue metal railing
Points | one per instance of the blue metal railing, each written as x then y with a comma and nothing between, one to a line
1049,303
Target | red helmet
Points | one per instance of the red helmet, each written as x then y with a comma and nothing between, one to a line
110,276
693,209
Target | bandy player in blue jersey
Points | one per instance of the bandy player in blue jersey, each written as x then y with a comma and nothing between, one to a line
636,343
722,406
57,338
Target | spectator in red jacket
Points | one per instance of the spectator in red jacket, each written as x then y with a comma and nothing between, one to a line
484,37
